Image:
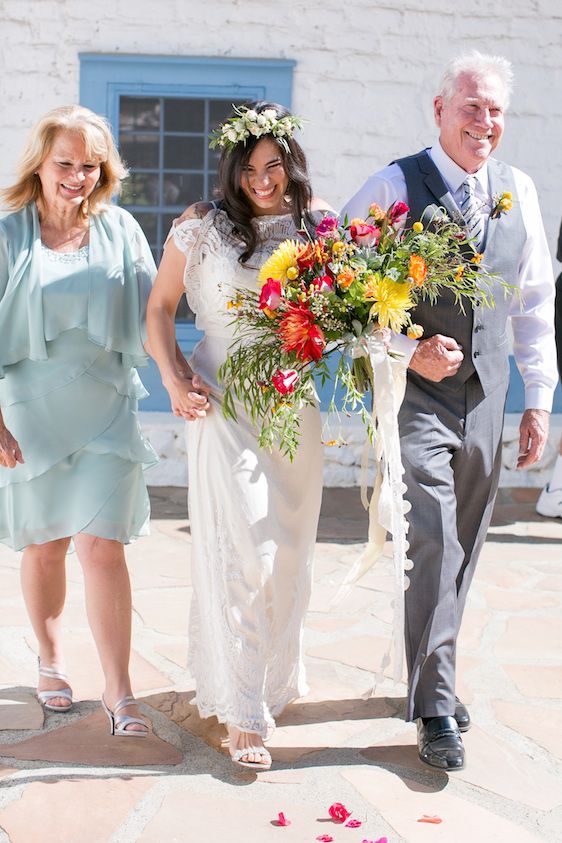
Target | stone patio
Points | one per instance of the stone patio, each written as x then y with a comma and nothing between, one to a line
63,778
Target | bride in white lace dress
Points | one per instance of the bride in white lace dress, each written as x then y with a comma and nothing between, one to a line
253,514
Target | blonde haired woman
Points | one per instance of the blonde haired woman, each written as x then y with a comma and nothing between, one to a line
75,273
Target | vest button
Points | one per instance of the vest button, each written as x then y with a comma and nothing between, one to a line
478,328
476,354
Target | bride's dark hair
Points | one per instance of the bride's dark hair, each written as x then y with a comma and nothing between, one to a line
233,200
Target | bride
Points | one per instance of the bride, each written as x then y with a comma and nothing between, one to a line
254,514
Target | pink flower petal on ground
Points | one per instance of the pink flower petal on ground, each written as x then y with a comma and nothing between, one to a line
380,840
325,838
353,824
427,818
282,819
338,812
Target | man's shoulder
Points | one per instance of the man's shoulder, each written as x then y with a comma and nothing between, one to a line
523,181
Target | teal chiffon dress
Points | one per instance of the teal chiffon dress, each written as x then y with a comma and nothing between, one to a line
71,399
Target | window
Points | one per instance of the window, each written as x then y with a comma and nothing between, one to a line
165,143
161,109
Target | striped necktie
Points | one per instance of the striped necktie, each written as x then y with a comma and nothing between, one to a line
471,209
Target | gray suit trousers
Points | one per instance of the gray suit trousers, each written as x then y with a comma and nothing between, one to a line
451,450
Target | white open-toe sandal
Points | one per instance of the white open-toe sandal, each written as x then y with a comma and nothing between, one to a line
44,697
118,724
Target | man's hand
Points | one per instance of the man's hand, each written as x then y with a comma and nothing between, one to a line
436,358
533,433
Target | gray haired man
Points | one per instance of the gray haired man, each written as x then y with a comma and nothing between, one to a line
452,417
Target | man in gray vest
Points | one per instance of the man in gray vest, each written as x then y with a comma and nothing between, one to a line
452,417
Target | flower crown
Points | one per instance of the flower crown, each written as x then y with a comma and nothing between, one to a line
248,122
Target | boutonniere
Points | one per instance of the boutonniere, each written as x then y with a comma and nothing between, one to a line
502,203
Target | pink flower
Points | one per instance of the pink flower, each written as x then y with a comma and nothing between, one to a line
353,824
380,840
338,812
398,210
323,283
325,838
328,227
282,819
285,380
270,295
364,234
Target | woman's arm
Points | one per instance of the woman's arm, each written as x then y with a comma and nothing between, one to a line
188,394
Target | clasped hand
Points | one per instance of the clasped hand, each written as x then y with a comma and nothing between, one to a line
10,453
436,358
189,397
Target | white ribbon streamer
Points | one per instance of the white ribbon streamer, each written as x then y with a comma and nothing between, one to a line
387,506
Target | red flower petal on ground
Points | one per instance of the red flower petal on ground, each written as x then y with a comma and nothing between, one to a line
282,819
325,838
338,812
427,818
380,840
353,824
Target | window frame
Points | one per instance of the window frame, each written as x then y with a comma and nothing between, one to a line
105,78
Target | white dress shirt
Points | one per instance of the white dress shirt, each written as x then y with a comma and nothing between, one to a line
533,325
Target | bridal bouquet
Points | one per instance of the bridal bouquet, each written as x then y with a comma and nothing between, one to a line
346,290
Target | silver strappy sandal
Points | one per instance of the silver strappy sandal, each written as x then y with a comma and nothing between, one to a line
118,725
45,696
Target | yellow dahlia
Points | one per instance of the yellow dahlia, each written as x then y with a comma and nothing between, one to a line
282,259
391,302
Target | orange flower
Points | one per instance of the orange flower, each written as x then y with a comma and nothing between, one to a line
417,269
477,258
414,332
376,212
345,278
301,335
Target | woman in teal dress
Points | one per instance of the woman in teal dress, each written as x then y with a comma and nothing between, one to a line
75,274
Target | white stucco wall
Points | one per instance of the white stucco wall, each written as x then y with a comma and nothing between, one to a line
365,76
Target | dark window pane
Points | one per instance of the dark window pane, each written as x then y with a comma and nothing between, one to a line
213,182
184,115
184,314
167,220
214,155
219,110
140,150
182,189
139,113
184,153
140,189
148,224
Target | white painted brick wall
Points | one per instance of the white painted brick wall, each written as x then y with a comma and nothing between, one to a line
342,465
365,76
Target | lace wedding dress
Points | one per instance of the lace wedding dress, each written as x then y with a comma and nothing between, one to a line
253,514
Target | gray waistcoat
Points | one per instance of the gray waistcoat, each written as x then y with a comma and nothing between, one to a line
480,331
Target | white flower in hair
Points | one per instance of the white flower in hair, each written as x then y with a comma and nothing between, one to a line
248,123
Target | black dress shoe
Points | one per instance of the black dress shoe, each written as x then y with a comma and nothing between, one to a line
462,716
440,743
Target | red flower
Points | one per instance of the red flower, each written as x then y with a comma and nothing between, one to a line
306,257
398,210
328,227
325,838
285,380
323,283
270,295
364,234
338,812
301,335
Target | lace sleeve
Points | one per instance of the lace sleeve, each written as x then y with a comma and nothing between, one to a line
185,234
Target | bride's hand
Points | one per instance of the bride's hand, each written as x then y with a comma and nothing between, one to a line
189,397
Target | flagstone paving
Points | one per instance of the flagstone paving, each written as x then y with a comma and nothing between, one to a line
64,778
